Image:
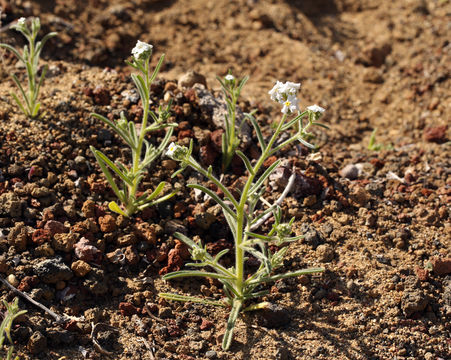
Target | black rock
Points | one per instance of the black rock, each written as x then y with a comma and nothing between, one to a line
53,270
273,316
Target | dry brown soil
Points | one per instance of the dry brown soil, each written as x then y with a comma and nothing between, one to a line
380,227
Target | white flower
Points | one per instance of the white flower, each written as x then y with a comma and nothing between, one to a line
290,105
229,77
172,148
275,92
291,88
177,152
142,50
285,94
316,109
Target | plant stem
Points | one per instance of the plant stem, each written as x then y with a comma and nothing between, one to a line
230,137
137,153
239,252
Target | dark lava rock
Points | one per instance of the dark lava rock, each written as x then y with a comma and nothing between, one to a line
413,302
305,185
53,270
313,238
274,316
37,343
173,226
105,135
59,337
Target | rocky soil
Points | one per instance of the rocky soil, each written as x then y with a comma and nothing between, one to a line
377,219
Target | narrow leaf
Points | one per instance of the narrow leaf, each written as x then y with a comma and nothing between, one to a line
215,197
177,297
246,161
290,274
157,68
113,167
187,273
257,131
228,335
19,103
264,176
108,175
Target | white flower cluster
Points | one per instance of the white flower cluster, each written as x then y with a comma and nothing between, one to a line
21,22
229,77
286,94
318,110
142,50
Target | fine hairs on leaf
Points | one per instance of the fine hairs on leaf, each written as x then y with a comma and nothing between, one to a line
244,215
12,312
29,57
124,180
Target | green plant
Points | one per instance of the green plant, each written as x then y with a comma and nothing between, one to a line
231,88
131,177
30,59
243,216
373,146
12,312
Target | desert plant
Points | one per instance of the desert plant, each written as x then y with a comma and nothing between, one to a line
231,88
30,59
131,177
374,146
244,216
12,312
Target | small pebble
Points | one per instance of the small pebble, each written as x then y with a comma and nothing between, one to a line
211,354
350,172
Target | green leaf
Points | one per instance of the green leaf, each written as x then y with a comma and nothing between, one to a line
41,80
35,110
220,255
24,95
246,161
141,86
258,236
14,51
257,131
121,132
289,274
264,176
114,207
19,103
157,68
177,297
215,197
233,316
187,273
157,191
108,162
108,175
305,143
191,244
242,83
41,43
320,125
